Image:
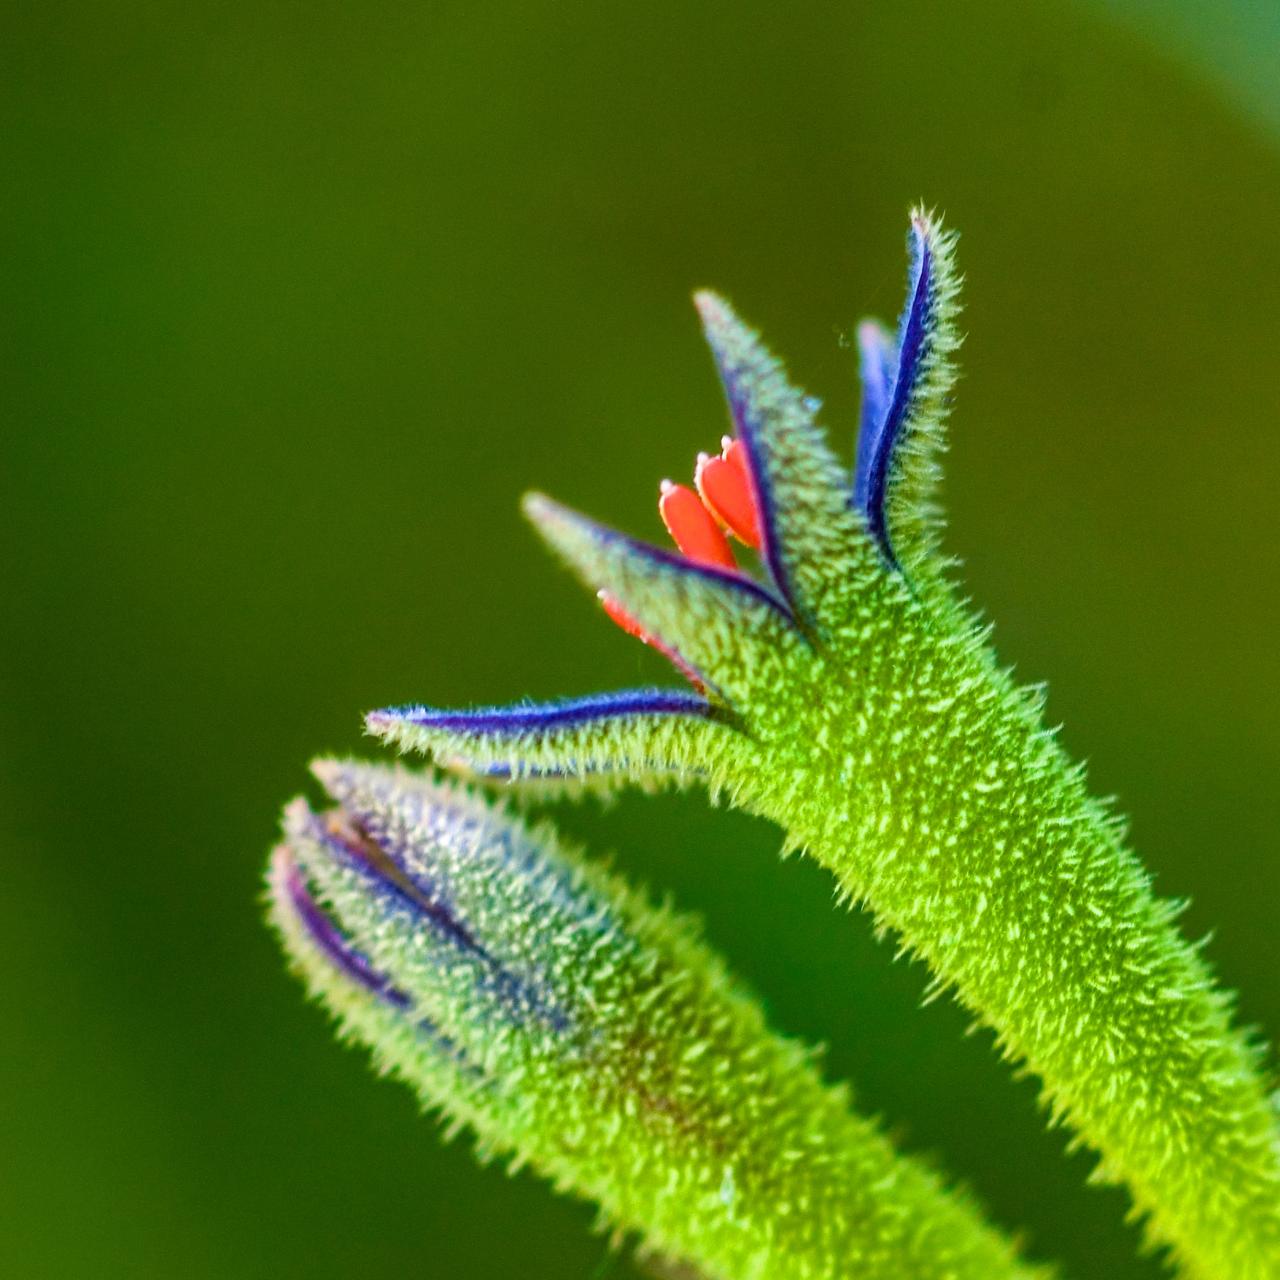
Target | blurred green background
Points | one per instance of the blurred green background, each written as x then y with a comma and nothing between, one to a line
298,298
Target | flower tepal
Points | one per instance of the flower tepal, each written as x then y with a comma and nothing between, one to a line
846,692
553,1011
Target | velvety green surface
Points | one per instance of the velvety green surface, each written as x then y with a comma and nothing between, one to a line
298,299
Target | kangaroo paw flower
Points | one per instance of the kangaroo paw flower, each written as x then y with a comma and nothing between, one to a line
850,698
549,1008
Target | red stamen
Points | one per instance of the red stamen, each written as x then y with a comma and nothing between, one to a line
724,484
622,618
692,527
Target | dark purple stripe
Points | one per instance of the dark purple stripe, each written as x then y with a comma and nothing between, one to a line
422,900
913,335
561,714
324,933
747,428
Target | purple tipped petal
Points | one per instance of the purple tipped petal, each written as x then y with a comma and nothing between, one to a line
502,722
879,446
877,367
606,740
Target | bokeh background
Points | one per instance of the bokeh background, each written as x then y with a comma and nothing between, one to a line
297,300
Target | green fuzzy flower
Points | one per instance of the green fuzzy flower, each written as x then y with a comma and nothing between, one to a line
850,696
551,1009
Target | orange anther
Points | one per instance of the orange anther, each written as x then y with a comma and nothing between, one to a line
725,486
692,526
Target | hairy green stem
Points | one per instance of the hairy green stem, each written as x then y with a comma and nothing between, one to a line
988,857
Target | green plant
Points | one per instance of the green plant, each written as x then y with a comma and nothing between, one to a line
851,697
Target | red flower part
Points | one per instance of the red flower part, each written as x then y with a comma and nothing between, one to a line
725,486
692,527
